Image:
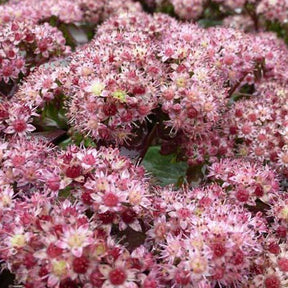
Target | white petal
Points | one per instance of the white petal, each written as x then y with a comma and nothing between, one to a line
30,128
105,270
136,226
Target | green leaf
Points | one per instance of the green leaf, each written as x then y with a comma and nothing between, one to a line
206,23
50,136
166,8
64,144
52,116
65,193
164,167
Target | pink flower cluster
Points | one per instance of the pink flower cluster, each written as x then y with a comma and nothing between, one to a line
86,215
188,9
52,244
197,237
113,82
191,237
40,10
67,11
56,245
22,160
274,10
202,242
24,44
271,10
275,275
16,118
246,181
224,60
258,125
43,83
106,183
233,4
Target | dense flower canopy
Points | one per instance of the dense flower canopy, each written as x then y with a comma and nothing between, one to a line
144,143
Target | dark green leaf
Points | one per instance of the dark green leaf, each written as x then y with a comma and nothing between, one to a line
164,167
209,23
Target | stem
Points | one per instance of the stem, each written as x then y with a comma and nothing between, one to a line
148,142
244,94
250,9
233,89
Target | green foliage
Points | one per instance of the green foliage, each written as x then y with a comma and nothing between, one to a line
89,29
206,23
280,29
77,139
167,8
64,144
212,15
52,116
65,193
164,168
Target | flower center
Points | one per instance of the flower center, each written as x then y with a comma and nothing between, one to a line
119,95
59,268
19,125
117,276
111,200
97,88
18,241
76,240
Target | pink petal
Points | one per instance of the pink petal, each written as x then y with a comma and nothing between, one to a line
77,252
9,130
52,281
30,128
